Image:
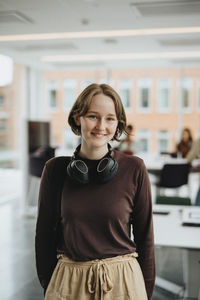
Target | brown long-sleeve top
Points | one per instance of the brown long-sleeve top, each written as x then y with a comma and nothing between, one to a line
95,218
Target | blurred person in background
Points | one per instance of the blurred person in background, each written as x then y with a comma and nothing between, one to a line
128,145
194,151
105,195
185,144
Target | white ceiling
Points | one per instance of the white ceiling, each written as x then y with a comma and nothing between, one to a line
19,17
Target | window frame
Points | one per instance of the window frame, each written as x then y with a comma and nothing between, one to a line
2,100
144,83
161,85
181,82
48,89
144,133
125,84
74,85
163,134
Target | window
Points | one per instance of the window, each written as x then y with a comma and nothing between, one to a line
70,91
85,83
52,87
108,81
144,140
144,85
71,141
3,143
3,125
125,91
185,87
164,86
1,100
163,141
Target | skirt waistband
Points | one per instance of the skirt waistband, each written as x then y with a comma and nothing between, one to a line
114,259
100,279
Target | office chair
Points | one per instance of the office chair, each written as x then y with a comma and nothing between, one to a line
173,176
38,158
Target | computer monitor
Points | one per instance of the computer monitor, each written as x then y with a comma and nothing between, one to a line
38,134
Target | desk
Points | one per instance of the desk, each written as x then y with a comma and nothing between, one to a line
168,231
155,165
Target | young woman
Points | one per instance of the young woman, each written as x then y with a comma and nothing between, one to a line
104,193
185,144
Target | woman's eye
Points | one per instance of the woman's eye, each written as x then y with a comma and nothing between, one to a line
92,116
110,119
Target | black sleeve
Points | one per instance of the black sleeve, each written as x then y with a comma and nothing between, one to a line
45,239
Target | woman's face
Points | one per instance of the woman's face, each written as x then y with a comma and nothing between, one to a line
99,124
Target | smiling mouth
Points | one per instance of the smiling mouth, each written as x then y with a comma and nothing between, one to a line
98,134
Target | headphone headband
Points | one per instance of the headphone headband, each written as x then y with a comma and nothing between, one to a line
78,148
106,169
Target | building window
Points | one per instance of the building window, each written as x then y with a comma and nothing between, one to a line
125,92
70,92
85,83
3,125
163,141
164,87
144,85
71,141
143,137
185,87
108,81
3,144
1,100
52,87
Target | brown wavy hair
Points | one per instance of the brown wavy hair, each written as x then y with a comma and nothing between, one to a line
82,103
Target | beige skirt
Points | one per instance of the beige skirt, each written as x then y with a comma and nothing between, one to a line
116,278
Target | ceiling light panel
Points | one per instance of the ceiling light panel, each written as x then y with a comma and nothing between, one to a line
120,56
99,34
180,42
166,8
45,47
14,16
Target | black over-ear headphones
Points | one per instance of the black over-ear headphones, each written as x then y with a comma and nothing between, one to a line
105,171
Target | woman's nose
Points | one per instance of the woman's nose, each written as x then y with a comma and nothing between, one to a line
100,124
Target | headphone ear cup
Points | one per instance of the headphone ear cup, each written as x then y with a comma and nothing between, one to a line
106,170
78,171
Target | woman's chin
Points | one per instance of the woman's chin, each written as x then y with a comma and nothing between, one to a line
96,143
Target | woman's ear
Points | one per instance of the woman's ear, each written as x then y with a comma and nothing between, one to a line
77,120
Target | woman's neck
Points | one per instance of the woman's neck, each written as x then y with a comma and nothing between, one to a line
93,154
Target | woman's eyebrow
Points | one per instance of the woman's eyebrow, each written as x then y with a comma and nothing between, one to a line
91,111
96,112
